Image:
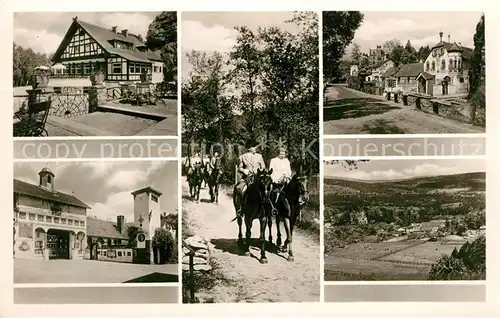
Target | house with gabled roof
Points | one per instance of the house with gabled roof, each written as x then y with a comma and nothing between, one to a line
121,56
403,78
448,67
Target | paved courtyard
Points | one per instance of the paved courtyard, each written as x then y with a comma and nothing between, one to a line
347,111
27,271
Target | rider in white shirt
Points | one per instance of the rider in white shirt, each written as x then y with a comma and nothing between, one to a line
282,173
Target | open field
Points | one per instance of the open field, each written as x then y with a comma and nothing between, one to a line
339,268
373,251
427,253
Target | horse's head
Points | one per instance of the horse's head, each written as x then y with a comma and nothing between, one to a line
301,180
264,184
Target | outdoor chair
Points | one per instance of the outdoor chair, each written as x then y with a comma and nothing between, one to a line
32,122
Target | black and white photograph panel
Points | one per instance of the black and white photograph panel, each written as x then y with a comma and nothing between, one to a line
95,74
250,130
403,72
405,219
96,222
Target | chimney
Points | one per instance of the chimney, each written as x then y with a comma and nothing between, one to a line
125,32
114,29
120,223
449,38
441,36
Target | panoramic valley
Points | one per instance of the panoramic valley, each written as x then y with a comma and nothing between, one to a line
403,229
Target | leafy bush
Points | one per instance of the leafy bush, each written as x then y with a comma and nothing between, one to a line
467,263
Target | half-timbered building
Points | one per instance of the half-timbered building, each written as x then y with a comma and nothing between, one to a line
121,56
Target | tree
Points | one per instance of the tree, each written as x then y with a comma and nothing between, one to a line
467,263
356,54
409,55
397,55
164,242
477,70
246,59
338,31
132,234
162,36
24,63
162,31
423,52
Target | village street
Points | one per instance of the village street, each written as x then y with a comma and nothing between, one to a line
87,271
347,111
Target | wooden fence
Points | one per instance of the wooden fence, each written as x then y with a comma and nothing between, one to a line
191,282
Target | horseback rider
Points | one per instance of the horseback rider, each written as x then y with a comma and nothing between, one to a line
195,160
281,175
249,164
214,161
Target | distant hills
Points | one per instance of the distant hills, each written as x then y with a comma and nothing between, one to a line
473,181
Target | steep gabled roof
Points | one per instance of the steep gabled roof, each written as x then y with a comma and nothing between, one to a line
454,47
103,36
410,70
390,72
426,75
32,190
105,229
379,64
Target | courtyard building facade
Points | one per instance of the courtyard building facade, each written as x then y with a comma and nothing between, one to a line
48,224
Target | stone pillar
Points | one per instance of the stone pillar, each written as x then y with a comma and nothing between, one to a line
38,95
97,97
405,100
417,103
396,98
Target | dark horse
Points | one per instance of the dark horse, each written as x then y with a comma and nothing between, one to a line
258,195
289,202
194,179
213,176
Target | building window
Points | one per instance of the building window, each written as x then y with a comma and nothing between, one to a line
443,64
63,221
82,223
129,254
461,79
459,64
117,68
427,66
31,216
56,220
49,219
86,69
119,253
57,90
131,69
154,198
22,215
70,222
433,66
40,218
103,253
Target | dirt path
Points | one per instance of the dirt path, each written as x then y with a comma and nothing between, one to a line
247,279
396,119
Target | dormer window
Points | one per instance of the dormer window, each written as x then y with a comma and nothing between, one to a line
154,198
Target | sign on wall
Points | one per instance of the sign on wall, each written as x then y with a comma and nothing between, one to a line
141,240
26,230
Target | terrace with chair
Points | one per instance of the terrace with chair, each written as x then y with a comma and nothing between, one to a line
61,106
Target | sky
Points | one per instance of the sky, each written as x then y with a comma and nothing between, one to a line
43,32
402,169
214,31
106,186
421,28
